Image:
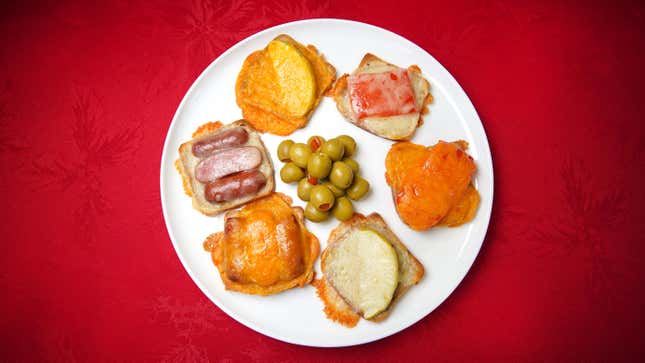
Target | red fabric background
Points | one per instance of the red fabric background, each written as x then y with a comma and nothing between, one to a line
87,92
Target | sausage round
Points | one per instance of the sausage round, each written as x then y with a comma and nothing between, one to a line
234,186
228,161
228,138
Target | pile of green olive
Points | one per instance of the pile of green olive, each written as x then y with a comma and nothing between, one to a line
326,174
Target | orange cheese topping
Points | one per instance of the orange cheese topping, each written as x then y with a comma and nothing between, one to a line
427,183
335,308
265,247
256,91
207,128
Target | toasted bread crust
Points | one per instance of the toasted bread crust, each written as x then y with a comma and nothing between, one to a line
410,269
400,127
369,57
187,161
185,178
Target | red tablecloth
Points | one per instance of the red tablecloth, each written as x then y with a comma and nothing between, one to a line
87,93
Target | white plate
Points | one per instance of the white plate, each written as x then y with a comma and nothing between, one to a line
296,315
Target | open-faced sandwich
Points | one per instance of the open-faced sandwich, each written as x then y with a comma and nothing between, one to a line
432,186
382,98
225,166
366,269
264,248
279,87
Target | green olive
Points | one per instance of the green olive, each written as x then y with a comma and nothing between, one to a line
315,142
299,153
304,189
358,188
319,165
334,149
343,209
349,143
283,150
322,198
334,189
314,215
352,164
290,173
341,175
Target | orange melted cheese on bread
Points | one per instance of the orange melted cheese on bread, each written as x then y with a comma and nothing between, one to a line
259,95
336,308
432,185
264,248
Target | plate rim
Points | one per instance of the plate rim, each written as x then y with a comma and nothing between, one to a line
479,127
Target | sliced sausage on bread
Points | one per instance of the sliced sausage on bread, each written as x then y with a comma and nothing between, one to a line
225,166
394,126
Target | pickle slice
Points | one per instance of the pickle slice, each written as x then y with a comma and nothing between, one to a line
363,268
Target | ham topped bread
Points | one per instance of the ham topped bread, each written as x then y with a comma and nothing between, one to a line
381,94
382,98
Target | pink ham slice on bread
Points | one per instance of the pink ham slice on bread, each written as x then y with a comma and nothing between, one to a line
381,94
394,117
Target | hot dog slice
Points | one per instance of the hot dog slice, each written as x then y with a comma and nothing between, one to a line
228,138
234,186
228,161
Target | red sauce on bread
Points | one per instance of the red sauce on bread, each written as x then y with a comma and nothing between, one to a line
381,94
